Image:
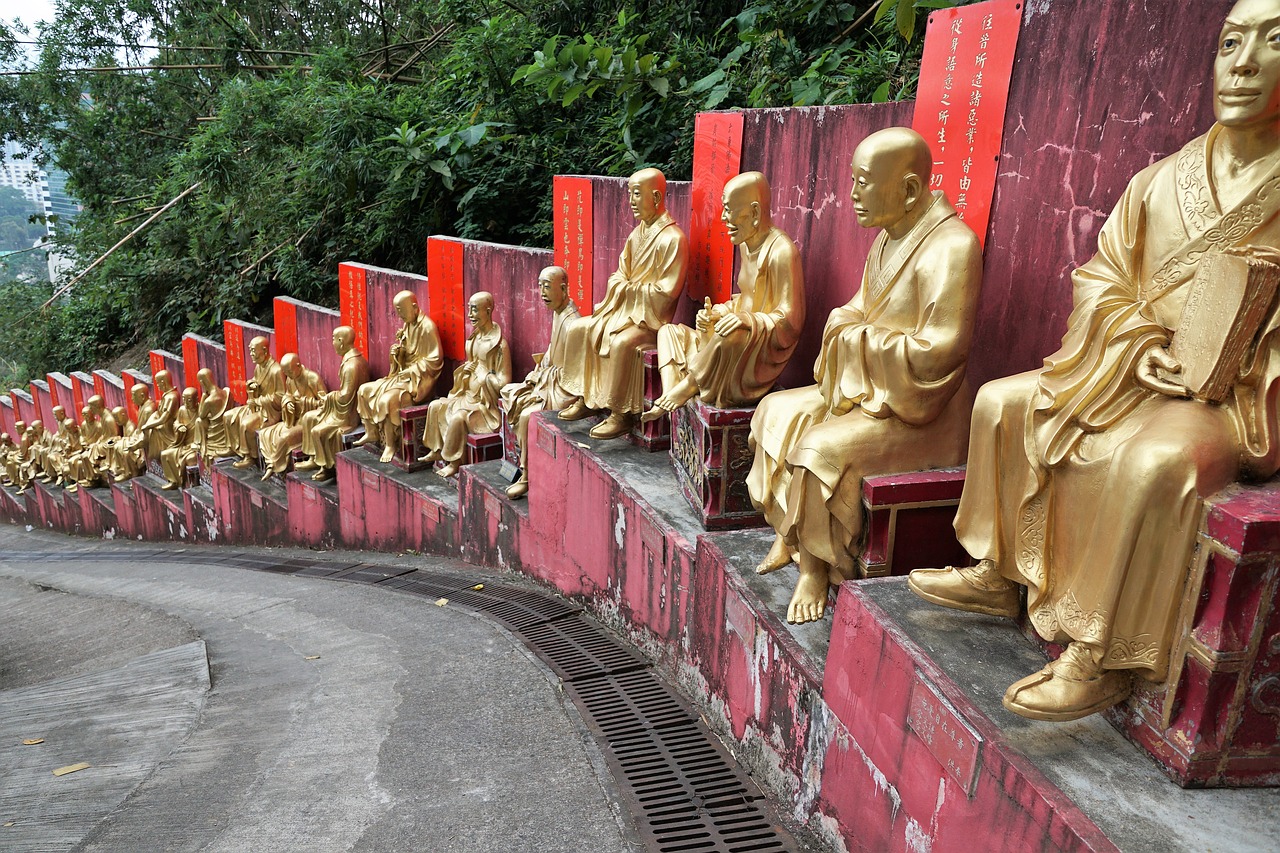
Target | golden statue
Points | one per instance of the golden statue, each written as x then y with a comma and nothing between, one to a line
156,430
27,466
81,464
68,453
738,348
472,403
891,393
8,458
1086,478
323,427
124,458
603,352
212,438
52,442
541,388
303,390
183,449
416,361
262,406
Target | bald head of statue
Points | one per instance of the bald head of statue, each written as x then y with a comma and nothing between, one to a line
406,304
745,209
647,194
891,170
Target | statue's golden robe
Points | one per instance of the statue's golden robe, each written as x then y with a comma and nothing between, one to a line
157,430
472,402
1084,485
541,388
741,367
604,350
411,380
182,450
211,428
323,427
890,396
277,441
243,422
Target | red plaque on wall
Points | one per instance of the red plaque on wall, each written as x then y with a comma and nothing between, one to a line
129,382
353,303
233,336
157,365
717,157
573,236
53,391
286,323
77,398
190,362
99,386
961,99
444,285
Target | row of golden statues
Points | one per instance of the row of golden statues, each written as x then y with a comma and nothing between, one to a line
1085,479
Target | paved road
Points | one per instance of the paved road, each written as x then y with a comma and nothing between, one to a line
330,717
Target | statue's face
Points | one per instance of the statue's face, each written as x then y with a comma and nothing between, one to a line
190,399
479,311
139,394
741,217
643,199
59,414
554,290
407,310
1246,73
259,353
879,193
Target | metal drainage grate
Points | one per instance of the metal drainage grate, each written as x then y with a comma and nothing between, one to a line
367,573
626,703
517,609
576,648
427,584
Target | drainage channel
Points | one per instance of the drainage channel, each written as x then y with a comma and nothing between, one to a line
685,791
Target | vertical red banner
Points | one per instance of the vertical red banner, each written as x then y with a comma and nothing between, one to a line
445,260
286,323
129,382
53,391
190,362
961,100
157,365
233,337
7,417
574,235
717,157
99,387
353,303
77,398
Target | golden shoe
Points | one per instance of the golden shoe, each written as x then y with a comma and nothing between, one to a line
518,489
978,590
613,426
575,412
1071,687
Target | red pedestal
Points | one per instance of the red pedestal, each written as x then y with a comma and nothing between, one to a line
203,514
1216,721
711,455
909,522
251,512
98,510
161,514
126,510
655,435
314,516
388,509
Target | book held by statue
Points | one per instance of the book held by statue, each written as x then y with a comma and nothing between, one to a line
1230,298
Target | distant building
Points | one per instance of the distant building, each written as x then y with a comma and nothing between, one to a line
48,189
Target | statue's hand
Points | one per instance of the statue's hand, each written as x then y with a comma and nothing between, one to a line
729,323
1269,254
1155,361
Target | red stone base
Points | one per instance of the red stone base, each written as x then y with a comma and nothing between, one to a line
909,522
712,456
97,506
655,435
251,512
126,510
314,517
202,514
162,515
389,509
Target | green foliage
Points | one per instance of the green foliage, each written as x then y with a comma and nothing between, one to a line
324,131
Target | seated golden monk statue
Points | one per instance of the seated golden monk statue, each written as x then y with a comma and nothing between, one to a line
263,395
303,390
183,449
124,457
891,393
324,426
1086,478
82,470
541,388
26,455
212,439
603,352
69,454
472,403
156,429
416,362
50,452
7,458
738,348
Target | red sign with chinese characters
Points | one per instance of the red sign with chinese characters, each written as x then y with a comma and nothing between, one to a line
190,362
444,285
353,303
53,391
233,336
286,323
157,365
77,397
961,99
573,229
717,157
129,406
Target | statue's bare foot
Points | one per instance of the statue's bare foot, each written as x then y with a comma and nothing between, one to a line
431,458
809,602
779,555
686,389
448,471
388,453
370,437
323,474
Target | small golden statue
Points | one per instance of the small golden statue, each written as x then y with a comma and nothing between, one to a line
1086,478
9,458
416,362
303,390
472,403
739,347
26,470
891,393
541,388
124,457
603,352
324,426
262,406
182,451
212,438
156,429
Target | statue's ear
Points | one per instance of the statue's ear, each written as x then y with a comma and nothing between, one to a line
755,213
913,189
